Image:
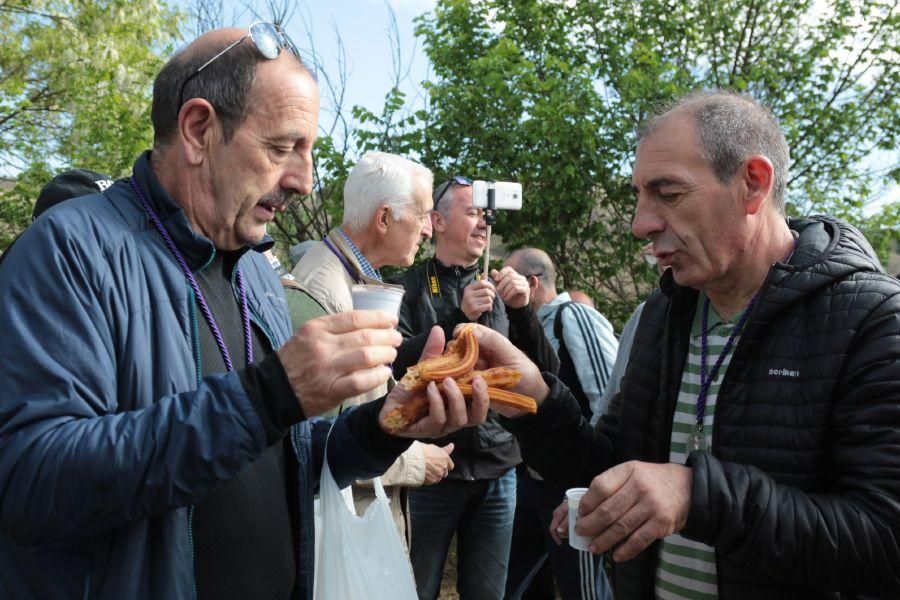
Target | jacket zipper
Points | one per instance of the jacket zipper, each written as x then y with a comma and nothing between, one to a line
723,393
87,583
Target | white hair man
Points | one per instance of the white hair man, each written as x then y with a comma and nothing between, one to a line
387,215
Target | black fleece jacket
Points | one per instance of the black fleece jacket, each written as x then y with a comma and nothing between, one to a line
800,493
488,451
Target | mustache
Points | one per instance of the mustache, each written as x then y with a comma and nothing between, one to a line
279,198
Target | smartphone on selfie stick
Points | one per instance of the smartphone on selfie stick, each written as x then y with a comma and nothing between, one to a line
491,196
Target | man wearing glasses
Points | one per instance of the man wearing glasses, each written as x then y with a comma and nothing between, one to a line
156,431
477,499
387,216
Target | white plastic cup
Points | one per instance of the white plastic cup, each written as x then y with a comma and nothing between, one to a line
376,297
573,497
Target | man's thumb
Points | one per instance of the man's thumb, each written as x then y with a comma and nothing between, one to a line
448,448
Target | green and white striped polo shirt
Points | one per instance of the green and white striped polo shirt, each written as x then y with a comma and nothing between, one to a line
687,569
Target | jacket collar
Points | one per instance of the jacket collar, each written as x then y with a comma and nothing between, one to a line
828,250
550,307
197,249
442,268
340,243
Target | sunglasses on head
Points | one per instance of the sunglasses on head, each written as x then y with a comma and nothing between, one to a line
268,39
458,180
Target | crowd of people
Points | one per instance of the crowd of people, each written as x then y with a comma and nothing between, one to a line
166,398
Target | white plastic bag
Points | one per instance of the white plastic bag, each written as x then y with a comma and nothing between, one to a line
359,557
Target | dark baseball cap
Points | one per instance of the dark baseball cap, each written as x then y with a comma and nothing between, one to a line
70,184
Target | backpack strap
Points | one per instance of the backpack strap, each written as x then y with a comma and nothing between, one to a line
301,304
557,321
567,373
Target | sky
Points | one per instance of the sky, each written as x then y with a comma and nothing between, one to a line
364,29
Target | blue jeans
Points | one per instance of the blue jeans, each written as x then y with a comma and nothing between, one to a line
480,513
579,575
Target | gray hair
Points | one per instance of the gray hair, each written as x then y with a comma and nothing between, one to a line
534,261
731,128
381,178
226,83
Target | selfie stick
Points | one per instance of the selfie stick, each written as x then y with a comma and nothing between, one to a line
489,220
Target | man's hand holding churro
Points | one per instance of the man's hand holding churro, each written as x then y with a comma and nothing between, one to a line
496,351
478,362
445,408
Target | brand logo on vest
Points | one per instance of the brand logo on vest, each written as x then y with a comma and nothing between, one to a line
784,373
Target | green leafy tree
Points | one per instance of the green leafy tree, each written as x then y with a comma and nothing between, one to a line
550,93
75,85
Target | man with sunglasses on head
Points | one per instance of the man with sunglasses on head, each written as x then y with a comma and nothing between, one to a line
477,499
157,437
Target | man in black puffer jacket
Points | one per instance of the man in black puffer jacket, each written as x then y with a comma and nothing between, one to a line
477,500
771,468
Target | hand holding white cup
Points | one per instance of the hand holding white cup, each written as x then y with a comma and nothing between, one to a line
573,498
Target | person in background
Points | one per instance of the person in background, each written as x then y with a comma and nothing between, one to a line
68,184
387,216
581,298
586,346
476,501
583,339
298,250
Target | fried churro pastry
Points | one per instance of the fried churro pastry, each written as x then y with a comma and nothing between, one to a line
505,397
456,361
497,377
417,408
414,410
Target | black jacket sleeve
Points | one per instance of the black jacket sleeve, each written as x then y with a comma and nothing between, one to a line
272,396
558,442
845,538
526,333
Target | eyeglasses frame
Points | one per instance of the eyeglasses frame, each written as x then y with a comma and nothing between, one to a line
282,39
457,179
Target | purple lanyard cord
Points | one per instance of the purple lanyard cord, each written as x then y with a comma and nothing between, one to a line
706,381
201,301
350,270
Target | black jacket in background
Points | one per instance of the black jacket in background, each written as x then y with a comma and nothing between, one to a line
484,452
800,494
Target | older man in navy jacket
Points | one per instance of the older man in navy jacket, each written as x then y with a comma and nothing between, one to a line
156,430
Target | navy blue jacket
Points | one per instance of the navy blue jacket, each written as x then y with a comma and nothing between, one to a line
107,433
